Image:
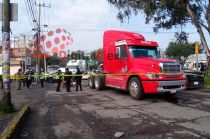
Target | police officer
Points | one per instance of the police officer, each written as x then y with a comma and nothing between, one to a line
78,79
28,78
42,77
59,79
67,79
31,77
19,78
1,79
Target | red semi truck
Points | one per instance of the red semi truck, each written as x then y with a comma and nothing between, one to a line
131,63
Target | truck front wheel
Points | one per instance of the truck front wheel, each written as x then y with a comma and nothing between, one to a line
135,88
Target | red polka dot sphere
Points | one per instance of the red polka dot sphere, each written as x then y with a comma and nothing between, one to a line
57,41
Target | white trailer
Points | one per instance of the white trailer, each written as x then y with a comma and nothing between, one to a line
74,64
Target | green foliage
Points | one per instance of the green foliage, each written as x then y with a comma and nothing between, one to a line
53,60
207,80
78,54
93,55
91,67
167,14
164,13
5,108
178,50
181,37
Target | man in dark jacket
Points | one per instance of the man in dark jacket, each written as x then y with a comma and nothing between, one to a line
1,79
27,78
67,79
78,79
59,79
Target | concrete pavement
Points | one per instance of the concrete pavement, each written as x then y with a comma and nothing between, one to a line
93,114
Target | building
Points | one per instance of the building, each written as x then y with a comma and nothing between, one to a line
190,63
20,58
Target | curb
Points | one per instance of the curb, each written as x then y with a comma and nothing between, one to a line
12,126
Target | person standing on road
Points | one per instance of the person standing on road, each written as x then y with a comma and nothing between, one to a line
78,79
31,77
23,78
202,68
1,79
18,79
67,79
42,77
59,80
27,78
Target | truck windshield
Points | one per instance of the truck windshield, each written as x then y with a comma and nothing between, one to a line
139,51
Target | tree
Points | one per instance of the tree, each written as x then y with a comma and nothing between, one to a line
93,55
179,50
99,55
181,37
169,13
53,60
78,54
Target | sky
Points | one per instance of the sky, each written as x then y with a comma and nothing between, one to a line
86,20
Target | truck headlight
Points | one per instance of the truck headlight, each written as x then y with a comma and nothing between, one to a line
154,76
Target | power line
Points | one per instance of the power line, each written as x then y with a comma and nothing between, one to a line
31,10
99,30
30,19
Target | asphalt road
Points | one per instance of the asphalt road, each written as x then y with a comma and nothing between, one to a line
100,114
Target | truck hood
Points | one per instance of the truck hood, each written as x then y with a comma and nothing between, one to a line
149,64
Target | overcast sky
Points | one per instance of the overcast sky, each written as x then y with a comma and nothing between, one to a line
86,20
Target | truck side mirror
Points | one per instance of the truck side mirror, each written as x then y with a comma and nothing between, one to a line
159,53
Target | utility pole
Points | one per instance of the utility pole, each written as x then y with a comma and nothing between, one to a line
6,99
37,46
38,40
24,45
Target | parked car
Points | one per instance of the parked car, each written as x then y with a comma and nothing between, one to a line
51,76
195,79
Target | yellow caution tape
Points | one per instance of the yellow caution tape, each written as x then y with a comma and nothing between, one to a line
101,74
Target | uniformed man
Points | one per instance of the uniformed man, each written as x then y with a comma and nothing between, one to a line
31,77
19,79
67,79
42,77
27,78
58,79
1,79
78,79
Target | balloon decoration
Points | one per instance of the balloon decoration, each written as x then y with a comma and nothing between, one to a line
56,41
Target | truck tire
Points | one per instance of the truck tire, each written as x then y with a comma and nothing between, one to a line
135,89
91,82
99,82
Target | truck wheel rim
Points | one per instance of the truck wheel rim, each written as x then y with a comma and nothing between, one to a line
90,82
134,88
96,83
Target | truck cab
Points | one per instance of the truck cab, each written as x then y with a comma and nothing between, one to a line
132,63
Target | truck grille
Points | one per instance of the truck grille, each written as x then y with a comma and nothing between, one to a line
171,68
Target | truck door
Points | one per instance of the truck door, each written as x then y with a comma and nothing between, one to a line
121,66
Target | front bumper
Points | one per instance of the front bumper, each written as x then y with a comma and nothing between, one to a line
163,86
